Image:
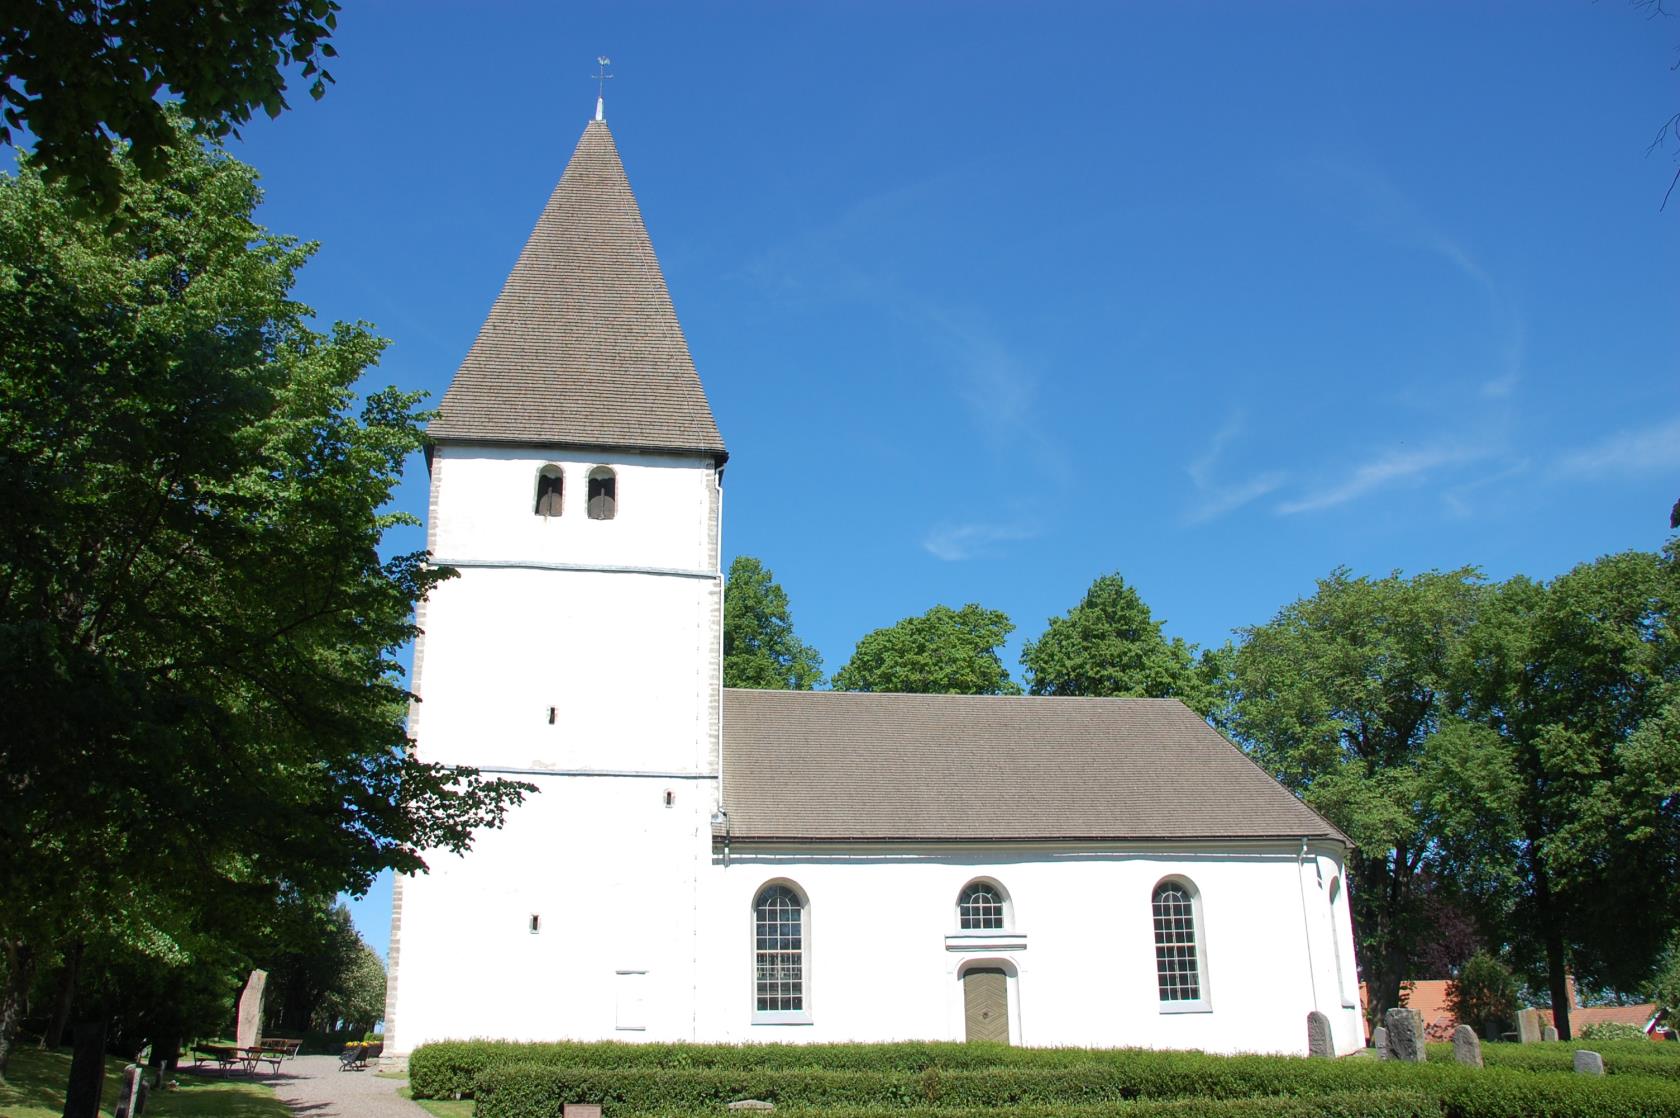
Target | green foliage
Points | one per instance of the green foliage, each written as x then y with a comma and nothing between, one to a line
322,976
1348,697
1484,994
1580,680
198,635
1055,1081
942,652
1111,645
79,73
759,646
1613,1030
1665,988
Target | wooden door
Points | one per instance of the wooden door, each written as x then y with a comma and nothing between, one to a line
986,1004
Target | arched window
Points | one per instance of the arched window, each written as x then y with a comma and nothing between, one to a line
1178,962
550,484
603,493
779,954
980,907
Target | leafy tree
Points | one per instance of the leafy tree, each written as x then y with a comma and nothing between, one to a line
1580,681
356,1003
1349,698
759,646
1110,644
78,74
312,950
945,651
1664,990
197,632
1484,994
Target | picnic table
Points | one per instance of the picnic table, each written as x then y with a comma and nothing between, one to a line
231,1057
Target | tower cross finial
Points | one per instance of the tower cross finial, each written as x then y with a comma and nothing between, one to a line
601,79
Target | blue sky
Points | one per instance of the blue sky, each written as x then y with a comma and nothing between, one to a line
991,299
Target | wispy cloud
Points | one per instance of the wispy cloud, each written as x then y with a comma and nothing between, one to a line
1635,451
1391,468
1457,498
1216,497
955,542
1389,210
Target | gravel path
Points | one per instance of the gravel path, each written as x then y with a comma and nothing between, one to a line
314,1088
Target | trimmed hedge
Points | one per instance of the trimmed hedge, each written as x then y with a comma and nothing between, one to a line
445,1069
1642,1058
531,1091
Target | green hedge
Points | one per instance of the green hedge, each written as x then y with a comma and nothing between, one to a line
531,1091
1337,1104
1642,1057
445,1068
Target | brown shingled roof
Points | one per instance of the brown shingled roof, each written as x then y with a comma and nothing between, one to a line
832,765
583,347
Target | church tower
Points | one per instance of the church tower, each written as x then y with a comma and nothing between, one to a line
576,489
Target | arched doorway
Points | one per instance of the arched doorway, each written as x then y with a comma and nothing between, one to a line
986,1004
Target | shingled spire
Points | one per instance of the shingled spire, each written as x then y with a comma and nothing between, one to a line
582,347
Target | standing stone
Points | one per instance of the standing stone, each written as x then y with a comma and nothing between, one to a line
132,1102
1588,1063
581,1110
249,1031
1528,1026
1549,1033
1405,1035
1379,1041
1319,1041
1467,1046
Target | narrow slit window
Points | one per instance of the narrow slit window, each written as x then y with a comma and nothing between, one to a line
550,486
603,493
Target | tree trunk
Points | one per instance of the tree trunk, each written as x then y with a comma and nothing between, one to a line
1551,930
54,1036
87,1071
20,966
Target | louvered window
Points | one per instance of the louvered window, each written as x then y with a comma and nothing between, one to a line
1178,970
550,485
603,493
778,951
980,908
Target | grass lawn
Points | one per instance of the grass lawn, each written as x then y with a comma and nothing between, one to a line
35,1082
443,1108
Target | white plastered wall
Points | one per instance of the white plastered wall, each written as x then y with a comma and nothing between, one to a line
885,952
614,625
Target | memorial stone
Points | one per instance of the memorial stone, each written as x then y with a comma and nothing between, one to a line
581,1110
1588,1063
1379,1041
1528,1026
1549,1033
1405,1035
1467,1046
248,1033
1319,1040
131,1103
751,1104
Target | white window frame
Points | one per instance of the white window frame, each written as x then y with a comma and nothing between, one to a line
1005,907
1198,940
801,1016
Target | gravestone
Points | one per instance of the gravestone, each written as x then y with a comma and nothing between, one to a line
248,1034
1319,1041
1467,1046
1548,1033
1379,1041
581,1110
1528,1026
132,1102
751,1104
1405,1035
1588,1063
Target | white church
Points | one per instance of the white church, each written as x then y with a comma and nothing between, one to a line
711,864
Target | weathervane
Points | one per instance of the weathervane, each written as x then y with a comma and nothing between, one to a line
601,80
